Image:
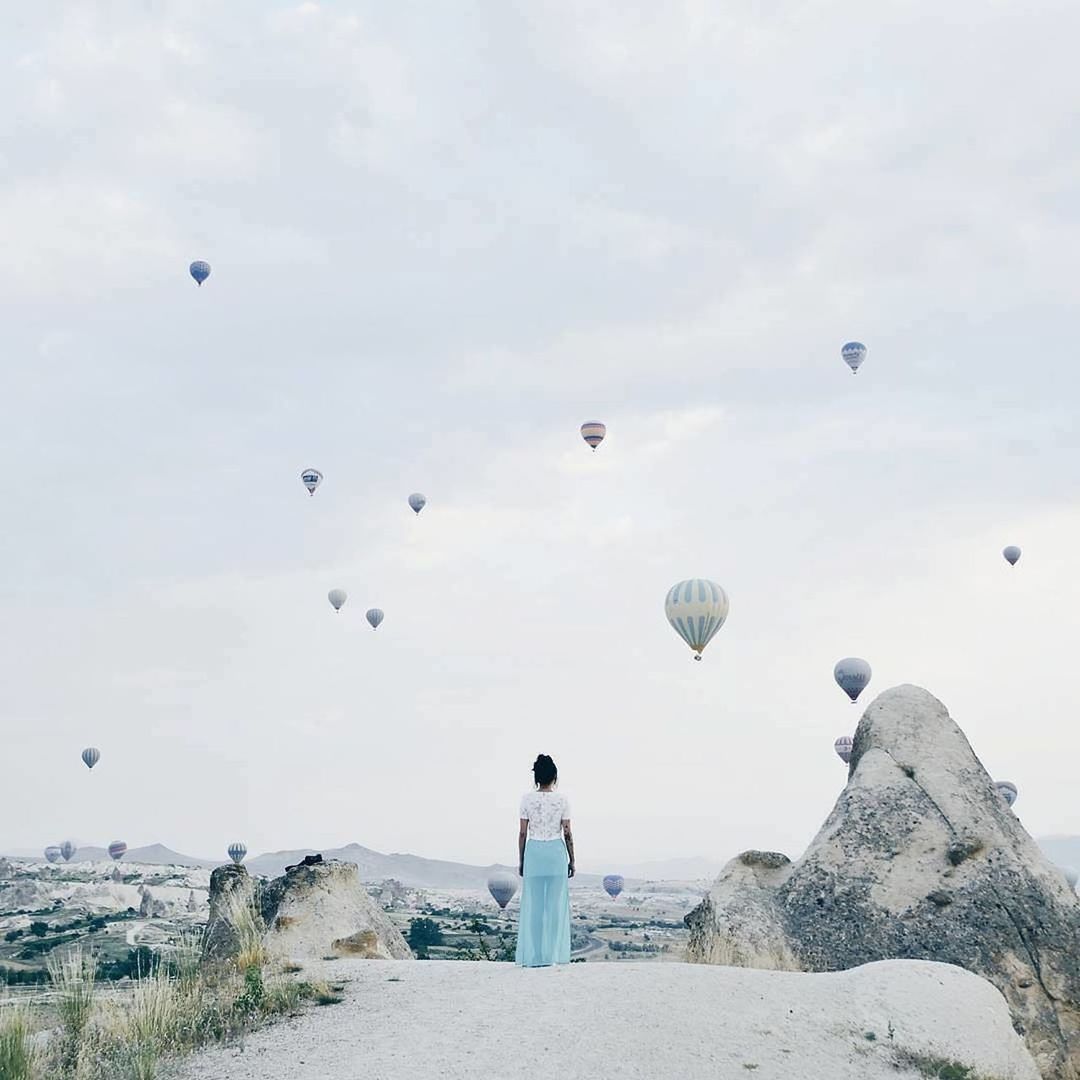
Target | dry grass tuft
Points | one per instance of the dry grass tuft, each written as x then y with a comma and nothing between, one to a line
18,1058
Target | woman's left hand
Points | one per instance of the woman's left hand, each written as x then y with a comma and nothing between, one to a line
570,870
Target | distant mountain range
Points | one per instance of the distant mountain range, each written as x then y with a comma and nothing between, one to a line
412,870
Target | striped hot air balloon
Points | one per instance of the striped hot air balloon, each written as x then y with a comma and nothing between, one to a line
613,885
593,433
337,597
842,746
696,609
52,853
200,271
237,850
502,888
91,756
117,850
374,616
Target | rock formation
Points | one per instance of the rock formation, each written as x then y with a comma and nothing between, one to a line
311,911
322,910
920,858
230,885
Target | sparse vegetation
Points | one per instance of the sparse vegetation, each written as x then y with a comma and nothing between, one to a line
18,1060
936,1068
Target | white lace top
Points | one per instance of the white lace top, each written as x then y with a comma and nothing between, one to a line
545,811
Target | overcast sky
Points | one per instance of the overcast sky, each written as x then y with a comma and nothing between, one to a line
442,237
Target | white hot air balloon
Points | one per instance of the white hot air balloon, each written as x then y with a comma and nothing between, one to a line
854,353
696,609
311,479
1007,790
337,597
851,675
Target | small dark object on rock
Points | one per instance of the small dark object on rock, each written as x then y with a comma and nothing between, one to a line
940,897
963,849
308,860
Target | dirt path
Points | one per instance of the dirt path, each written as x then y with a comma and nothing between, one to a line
451,1020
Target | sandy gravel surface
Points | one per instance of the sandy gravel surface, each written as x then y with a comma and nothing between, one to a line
448,1020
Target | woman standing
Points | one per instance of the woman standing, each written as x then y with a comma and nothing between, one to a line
545,863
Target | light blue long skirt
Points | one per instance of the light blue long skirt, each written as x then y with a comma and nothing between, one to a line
544,923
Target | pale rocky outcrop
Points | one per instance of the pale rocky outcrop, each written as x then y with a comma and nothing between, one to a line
226,883
308,912
920,858
323,910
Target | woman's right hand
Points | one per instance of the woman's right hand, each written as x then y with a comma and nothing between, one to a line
521,869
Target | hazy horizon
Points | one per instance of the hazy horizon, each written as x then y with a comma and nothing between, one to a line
441,241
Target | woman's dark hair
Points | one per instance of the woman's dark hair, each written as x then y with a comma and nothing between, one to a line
544,771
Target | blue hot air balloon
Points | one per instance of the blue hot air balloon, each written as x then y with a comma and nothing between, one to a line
237,850
613,885
1012,554
852,675
502,888
200,271
374,616
91,756
417,501
854,353
52,853
696,609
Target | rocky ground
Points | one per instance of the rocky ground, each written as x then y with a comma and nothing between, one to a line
896,1020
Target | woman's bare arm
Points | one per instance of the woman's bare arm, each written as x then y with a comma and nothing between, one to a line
568,836
523,831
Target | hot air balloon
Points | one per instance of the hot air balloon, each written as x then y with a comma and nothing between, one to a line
67,849
337,597
91,756
696,608
311,479
1071,876
117,850
1012,554
200,271
417,501
842,746
593,433
854,353
502,888
237,850
52,853
1007,790
852,675
613,885
374,616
